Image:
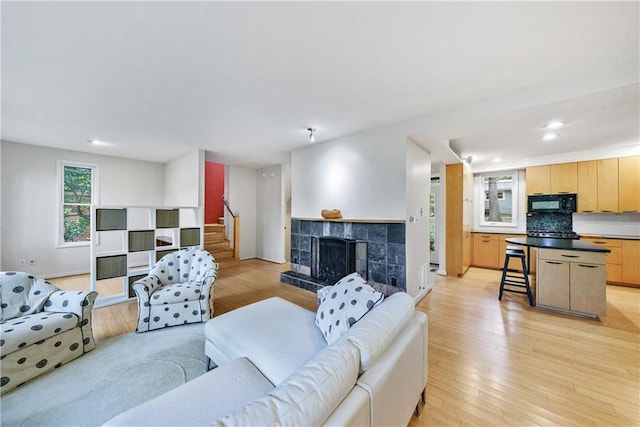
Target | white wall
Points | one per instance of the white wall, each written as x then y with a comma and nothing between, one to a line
418,188
241,187
184,178
30,203
362,174
1,269
270,217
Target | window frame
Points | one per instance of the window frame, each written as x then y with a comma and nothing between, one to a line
61,165
515,197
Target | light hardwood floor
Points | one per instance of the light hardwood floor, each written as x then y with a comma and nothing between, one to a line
490,362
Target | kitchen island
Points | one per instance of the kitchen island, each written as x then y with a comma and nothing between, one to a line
570,275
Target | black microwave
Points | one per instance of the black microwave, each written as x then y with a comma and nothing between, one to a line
552,203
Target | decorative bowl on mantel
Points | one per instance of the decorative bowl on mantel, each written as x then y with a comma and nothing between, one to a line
331,213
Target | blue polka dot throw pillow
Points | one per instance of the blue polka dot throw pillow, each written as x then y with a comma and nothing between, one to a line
342,305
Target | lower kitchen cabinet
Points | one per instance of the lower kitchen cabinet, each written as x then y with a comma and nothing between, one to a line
613,259
485,250
587,288
623,262
556,285
489,251
573,281
631,262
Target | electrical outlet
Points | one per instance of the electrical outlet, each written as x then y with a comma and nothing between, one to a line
22,261
33,261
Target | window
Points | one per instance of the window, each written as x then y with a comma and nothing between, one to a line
77,193
500,207
500,195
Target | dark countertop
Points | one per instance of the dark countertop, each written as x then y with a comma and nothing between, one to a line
611,236
565,244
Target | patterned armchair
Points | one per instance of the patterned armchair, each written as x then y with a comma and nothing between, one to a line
42,327
177,291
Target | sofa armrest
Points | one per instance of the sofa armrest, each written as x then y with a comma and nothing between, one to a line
79,303
146,286
396,381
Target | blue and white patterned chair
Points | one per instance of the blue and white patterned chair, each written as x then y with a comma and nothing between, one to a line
177,291
42,327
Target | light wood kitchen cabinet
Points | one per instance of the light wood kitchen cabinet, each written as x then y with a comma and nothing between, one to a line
629,184
588,293
538,179
553,283
631,262
587,186
459,207
485,250
514,263
572,280
564,178
613,259
608,185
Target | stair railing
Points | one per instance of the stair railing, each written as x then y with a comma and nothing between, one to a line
236,228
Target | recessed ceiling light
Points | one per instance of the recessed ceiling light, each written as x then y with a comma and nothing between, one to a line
96,142
555,124
550,136
497,159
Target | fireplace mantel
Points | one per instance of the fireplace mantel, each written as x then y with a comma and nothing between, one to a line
369,221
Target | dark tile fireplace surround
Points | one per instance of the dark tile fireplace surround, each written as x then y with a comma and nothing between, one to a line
380,253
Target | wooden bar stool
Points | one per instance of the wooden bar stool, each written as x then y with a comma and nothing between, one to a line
512,279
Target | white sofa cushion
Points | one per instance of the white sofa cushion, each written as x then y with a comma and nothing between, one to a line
377,330
278,337
201,400
345,304
309,396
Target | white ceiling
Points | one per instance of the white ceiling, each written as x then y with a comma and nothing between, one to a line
243,80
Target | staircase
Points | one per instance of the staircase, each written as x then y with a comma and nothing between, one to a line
218,245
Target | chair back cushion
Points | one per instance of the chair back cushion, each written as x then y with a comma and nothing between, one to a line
22,294
186,265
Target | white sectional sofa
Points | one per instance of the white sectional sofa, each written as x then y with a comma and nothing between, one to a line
276,368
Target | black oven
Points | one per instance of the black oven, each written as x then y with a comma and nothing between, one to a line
552,203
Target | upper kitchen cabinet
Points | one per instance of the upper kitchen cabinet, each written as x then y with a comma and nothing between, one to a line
538,179
588,186
552,179
629,184
564,178
608,185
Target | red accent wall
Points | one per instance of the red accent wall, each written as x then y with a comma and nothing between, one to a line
213,192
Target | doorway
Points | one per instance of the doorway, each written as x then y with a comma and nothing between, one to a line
434,217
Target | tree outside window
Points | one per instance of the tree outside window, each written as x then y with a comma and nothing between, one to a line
77,195
500,199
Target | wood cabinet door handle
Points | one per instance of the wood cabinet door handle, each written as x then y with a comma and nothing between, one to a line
571,256
553,262
588,266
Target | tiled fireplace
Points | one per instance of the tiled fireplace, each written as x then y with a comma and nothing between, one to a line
378,252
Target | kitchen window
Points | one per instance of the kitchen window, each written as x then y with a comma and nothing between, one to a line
77,193
500,207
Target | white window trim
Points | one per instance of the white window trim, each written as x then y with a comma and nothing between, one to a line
59,206
515,209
